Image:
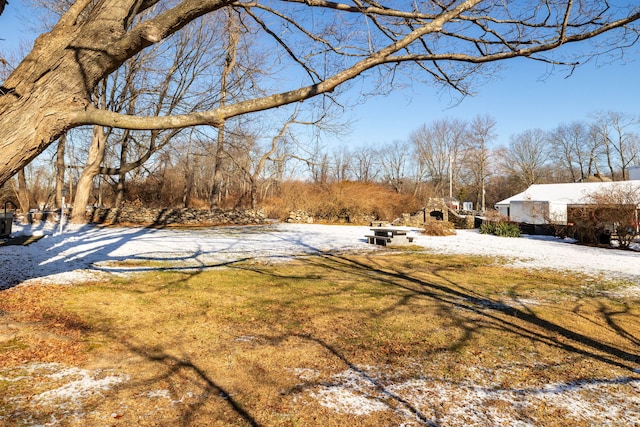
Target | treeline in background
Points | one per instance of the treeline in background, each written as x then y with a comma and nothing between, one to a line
278,173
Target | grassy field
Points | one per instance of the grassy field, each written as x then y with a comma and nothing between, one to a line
386,339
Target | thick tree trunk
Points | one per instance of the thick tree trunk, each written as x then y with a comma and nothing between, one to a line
53,81
50,91
85,183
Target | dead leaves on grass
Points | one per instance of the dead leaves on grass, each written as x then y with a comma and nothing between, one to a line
38,329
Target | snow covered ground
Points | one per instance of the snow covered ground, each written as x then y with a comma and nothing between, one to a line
80,253
83,253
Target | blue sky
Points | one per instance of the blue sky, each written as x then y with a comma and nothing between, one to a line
12,28
518,97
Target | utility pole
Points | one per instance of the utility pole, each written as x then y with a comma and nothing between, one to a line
450,176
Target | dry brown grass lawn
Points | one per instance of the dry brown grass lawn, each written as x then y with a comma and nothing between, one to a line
405,337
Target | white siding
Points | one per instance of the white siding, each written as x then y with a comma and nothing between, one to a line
530,212
503,209
547,203
557,213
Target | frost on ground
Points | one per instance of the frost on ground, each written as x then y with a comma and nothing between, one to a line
57,390
425,401
88,253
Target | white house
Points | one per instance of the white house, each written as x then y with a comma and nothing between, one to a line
548,203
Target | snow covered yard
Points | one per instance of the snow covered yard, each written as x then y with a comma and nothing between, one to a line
82,252
484,397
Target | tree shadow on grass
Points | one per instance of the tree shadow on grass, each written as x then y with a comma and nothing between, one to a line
99,250
509,317
180,368
375,382
451,299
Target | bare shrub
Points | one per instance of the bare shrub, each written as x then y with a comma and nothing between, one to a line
610,212
439,228
340,202
495,216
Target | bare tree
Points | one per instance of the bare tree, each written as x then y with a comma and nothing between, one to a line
612,212
258,165
167,78
617,133
50,91
342,164
620,208
478,154
366,164
229,66
438,149
572,148
92,167
527,156
318,163
394,158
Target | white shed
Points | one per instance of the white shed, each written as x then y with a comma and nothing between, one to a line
548,203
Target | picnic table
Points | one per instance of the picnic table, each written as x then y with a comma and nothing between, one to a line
391,236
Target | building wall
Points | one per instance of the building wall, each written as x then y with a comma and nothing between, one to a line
530,212
557,213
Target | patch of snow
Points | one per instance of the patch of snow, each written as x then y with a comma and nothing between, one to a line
306,373
71,385
159,394
346,401
470,404
74,390
90,253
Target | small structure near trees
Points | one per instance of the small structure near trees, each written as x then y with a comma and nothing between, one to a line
592,212
437,218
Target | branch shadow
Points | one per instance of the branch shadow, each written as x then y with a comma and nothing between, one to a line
97,250
498,313
176,367
450,297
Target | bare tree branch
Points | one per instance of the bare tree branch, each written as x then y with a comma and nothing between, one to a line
50,91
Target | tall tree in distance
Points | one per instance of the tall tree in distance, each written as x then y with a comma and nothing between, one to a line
571,148
438,147
478,154
527,156
394,162
230,62
619,138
